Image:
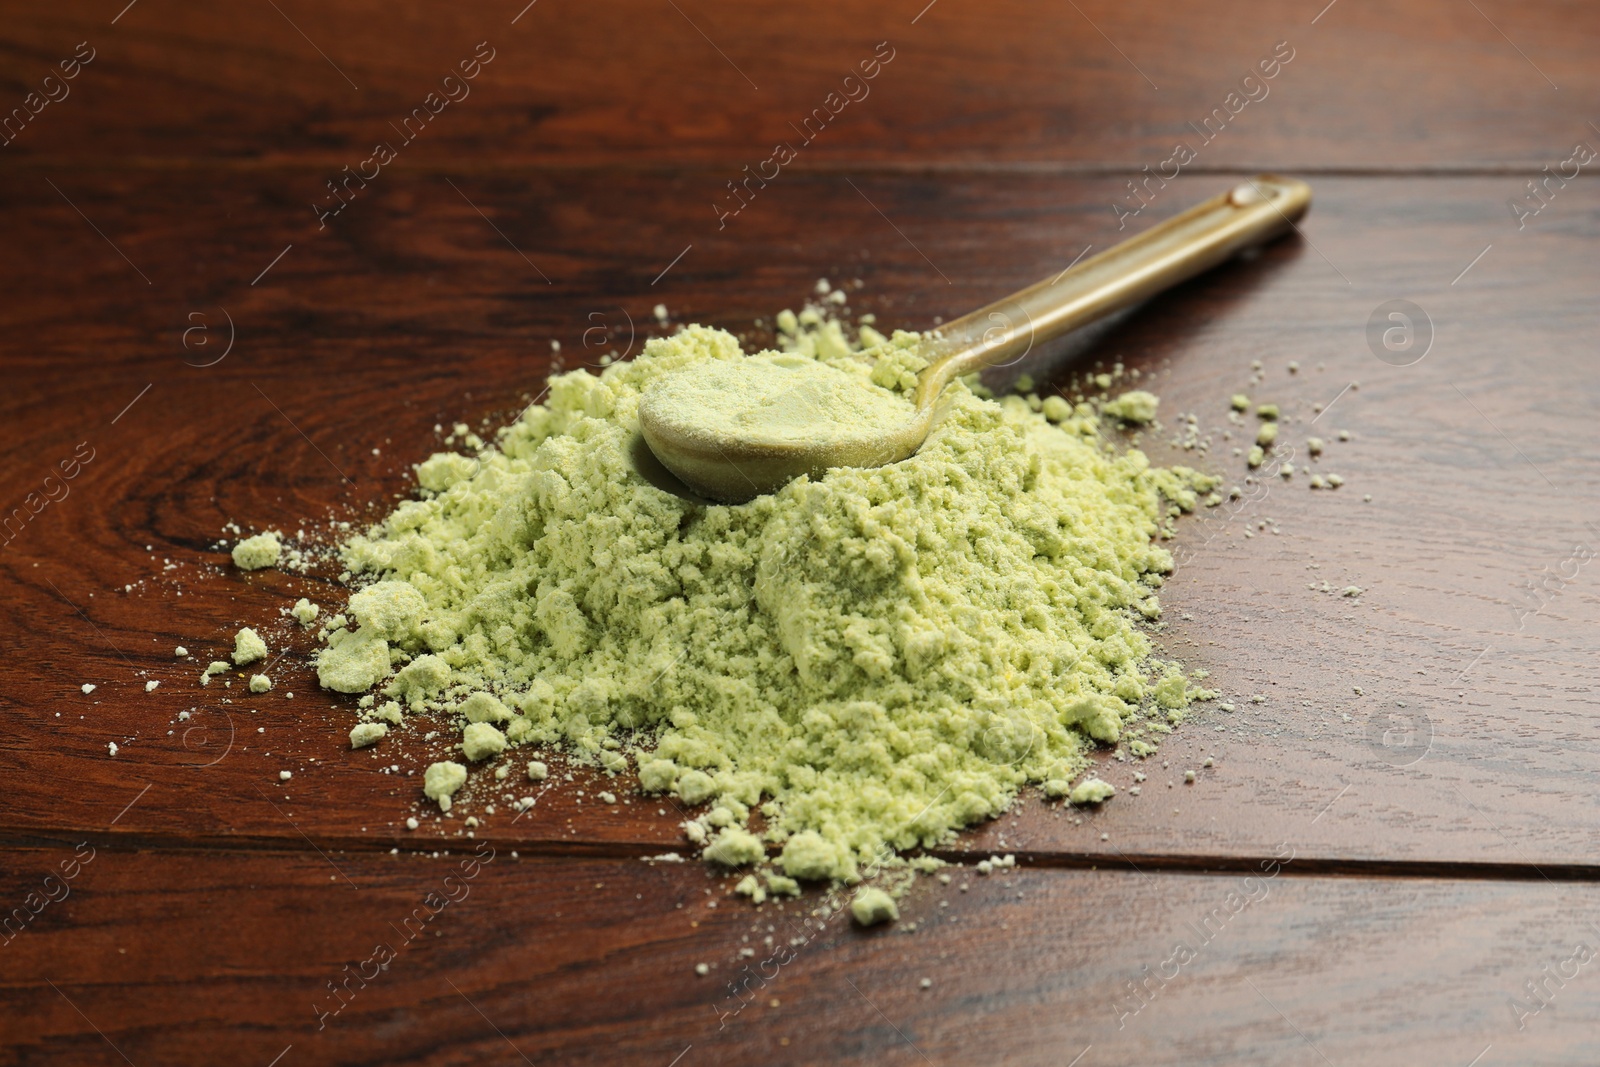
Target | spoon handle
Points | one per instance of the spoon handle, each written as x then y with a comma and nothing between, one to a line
1251,213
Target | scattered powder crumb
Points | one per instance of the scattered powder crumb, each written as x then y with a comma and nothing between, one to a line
367,733
111,747
254,553
1136,406
260,683
305,611
441,780
284,776
412,823
180,652
1268,412
872,906
537,771
247,648
1314,445
702,969
88,687
1188,777
1240,402
1092,791
1353,590
1267,435
734,847
480,740
150,686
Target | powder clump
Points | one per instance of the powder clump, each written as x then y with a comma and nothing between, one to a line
479,741
305,611
367,733
255,553
247,648
870,660
1091,791
441,780
1137,407
872,906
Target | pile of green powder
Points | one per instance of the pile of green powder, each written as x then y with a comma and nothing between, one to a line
870,661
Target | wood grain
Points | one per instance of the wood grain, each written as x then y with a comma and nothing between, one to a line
169,956
419,314
639,84
166,213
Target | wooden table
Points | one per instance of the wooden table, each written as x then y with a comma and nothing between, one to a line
1386,851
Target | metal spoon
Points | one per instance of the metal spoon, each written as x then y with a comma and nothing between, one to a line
734,469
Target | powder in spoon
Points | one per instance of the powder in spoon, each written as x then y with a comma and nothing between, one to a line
871,660
778,398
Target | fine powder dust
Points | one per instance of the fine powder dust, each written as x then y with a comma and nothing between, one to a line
871,660
779,398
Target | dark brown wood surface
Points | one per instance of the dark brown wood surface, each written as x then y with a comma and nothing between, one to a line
173,191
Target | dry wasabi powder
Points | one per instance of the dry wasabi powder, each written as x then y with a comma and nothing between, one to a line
1091,791
367,733
778,398
872,660
441,780
479,741
255,553
872,906
247,648
1137,407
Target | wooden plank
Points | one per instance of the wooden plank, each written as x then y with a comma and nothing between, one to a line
166,957
1431,85
412,310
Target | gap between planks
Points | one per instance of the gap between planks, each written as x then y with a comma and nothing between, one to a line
1145,862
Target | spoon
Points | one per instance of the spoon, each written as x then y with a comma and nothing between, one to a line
731,459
